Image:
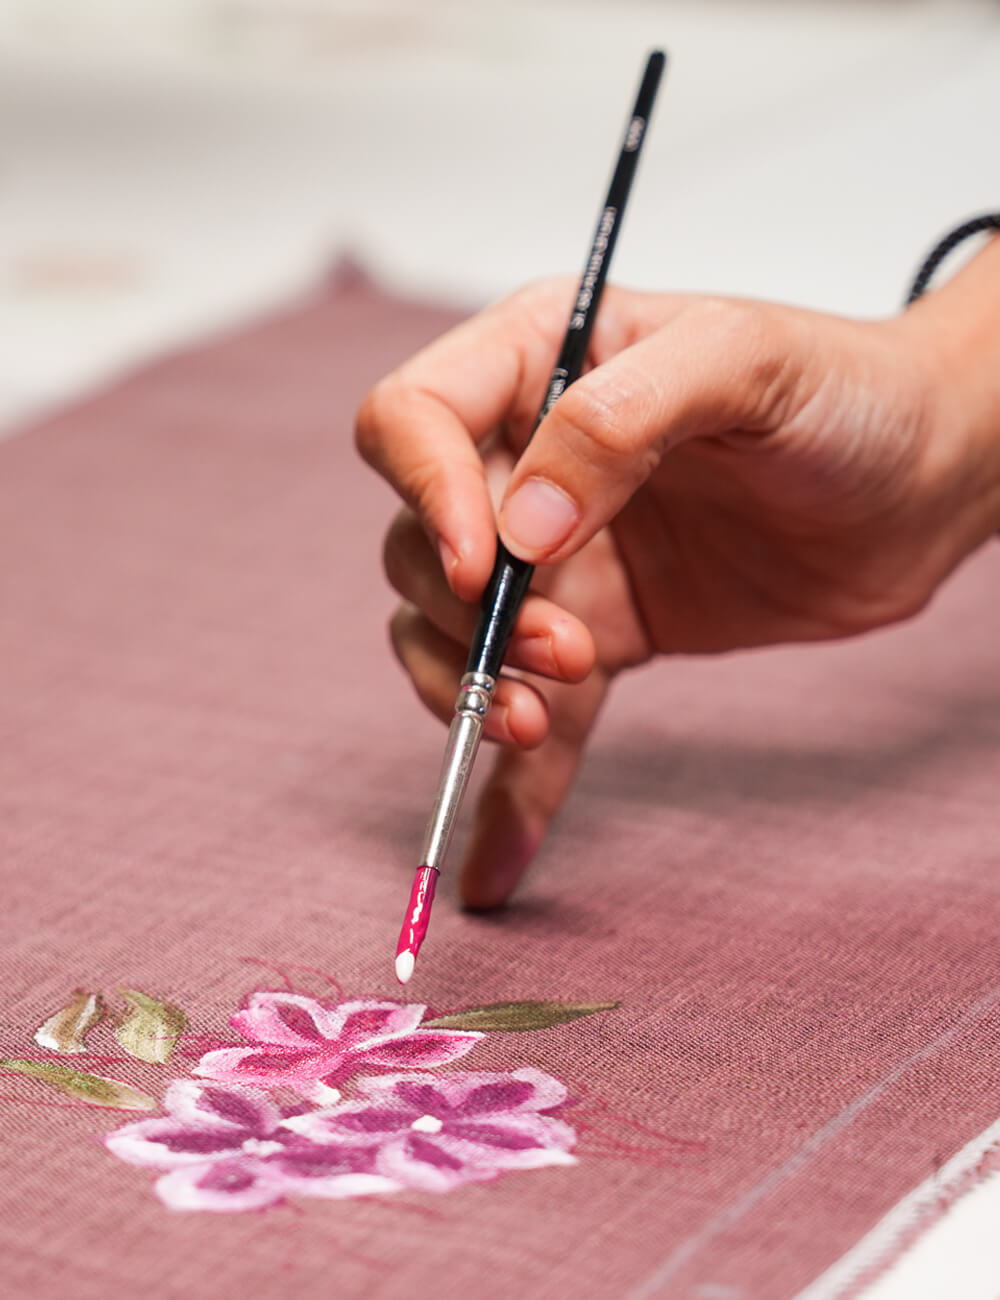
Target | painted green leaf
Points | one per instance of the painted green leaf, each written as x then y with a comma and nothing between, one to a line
91,1088
151,1028
66,1029
511,1017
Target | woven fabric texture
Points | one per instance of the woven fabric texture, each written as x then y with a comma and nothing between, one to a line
782,865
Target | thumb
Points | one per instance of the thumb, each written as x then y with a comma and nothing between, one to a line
715,367
524,791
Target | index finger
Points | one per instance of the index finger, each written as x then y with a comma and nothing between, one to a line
420,426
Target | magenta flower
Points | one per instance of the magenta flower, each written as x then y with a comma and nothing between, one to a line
233,1149
438,1133
311,1049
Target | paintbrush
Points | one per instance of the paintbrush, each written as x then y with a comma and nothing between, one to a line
510,578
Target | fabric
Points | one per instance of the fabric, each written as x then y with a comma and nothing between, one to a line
780,865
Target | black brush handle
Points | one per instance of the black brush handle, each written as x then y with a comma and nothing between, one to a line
511,577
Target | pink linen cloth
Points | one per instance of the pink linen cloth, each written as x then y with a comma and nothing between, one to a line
783,865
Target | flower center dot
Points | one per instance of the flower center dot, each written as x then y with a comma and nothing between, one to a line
427,1124
260,1147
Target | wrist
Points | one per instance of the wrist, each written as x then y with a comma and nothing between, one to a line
955,332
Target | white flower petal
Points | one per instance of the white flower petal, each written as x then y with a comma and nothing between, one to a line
220,1105
202,1187
144,1144
303,1026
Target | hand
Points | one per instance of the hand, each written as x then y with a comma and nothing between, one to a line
726,474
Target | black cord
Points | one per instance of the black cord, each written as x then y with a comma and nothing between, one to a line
974,226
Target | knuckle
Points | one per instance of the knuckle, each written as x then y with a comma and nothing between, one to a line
754,340
384,417
605,422
542,303
590,417
744,327
423,477
527,296
540,293
369,422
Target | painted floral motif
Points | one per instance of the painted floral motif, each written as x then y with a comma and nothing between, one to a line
234,1149
302,1045
438,1133
334,1101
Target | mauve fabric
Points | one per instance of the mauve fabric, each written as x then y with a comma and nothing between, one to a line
782,864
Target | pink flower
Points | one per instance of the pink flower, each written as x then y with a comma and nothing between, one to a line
232,1149
438,1133
312,1050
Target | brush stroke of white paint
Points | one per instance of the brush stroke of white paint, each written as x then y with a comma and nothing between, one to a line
958,1254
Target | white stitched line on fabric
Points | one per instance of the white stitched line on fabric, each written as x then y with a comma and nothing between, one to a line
875,1249
791,1165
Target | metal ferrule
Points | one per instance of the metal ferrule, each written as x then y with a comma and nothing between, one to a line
474,698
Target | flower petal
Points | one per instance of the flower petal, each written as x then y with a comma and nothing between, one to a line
442,1161
249,1111
483,1093
421,1095
382,1087
318,1092
351,1123
270,1065
284,1019
472,1093
336,1172
340,1187
355,1023
419,1162
226,1186
509,1140
169,1144
422,1049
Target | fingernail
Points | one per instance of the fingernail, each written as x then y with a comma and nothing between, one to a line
497,724
447,556
539,516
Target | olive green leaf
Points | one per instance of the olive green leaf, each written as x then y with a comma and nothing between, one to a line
510,1017
90,1088
151,1028
66,1029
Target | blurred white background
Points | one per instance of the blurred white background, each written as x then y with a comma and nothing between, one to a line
168,167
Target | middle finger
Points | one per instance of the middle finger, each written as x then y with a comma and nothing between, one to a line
547,639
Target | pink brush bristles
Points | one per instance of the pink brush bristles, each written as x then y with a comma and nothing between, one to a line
418,915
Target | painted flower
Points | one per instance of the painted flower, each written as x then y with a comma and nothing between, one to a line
233,1149
436,1133
306,1047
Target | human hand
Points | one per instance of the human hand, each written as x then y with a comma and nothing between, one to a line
726,474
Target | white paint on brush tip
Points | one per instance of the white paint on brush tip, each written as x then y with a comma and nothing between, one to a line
405,963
